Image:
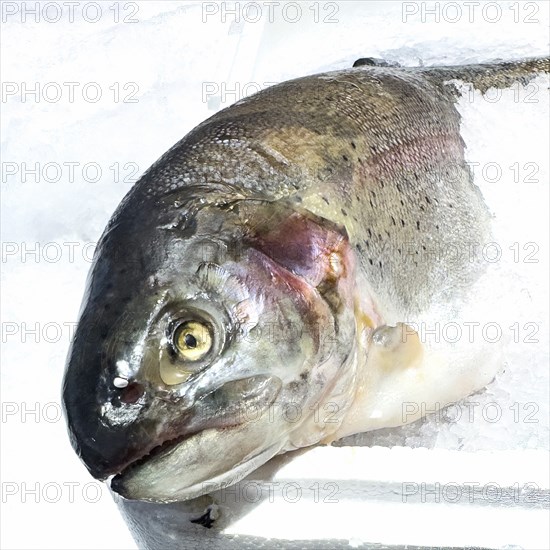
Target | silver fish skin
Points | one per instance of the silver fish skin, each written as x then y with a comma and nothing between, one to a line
269,266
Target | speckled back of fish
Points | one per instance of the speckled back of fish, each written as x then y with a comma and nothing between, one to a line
375,149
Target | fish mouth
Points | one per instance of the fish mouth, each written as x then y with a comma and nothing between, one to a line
155,452
205,453
159,450
137,482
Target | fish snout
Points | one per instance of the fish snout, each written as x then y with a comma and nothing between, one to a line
104,431
107,412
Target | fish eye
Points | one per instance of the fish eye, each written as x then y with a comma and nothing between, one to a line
192,340
189,340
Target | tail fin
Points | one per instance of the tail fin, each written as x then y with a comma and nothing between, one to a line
502,74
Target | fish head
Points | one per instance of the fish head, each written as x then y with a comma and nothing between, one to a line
207,338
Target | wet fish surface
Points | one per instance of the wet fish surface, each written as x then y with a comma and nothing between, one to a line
257,290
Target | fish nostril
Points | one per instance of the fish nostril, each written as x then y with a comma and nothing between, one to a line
132,392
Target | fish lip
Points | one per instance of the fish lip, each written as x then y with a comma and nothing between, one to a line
107,474
197,489
116,479
164,447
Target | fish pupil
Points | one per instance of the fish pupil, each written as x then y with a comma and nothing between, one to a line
190,341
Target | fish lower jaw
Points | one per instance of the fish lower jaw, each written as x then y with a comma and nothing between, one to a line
225,479
117,482
163,448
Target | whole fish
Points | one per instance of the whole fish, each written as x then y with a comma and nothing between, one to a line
258,289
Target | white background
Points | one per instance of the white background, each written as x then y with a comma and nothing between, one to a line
162,66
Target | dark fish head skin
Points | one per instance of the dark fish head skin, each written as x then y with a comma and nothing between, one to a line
280,329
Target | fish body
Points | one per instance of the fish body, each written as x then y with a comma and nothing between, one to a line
276,263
